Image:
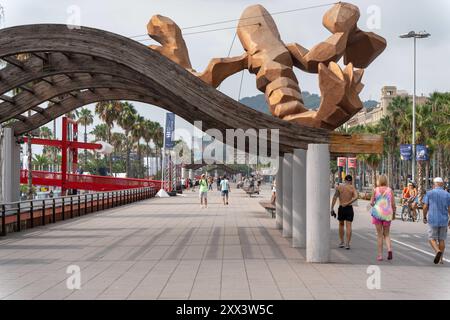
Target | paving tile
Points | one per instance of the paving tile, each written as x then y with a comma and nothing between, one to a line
169,248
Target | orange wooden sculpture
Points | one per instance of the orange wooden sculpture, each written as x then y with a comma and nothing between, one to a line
272,61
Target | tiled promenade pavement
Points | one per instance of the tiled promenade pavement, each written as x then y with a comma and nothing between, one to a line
173,249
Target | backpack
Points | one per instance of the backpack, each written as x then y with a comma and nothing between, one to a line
382,208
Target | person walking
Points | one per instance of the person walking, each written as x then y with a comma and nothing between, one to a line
383,212
218,183
210,183
347,195
225,188
203,191
436,211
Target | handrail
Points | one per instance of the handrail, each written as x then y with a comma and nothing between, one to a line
108,200
69,196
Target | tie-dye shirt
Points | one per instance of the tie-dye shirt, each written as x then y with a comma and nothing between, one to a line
382,206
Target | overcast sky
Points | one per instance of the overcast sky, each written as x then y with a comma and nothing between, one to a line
393,67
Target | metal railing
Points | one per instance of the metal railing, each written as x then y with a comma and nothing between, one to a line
30,213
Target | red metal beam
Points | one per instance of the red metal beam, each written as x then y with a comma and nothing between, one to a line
58,143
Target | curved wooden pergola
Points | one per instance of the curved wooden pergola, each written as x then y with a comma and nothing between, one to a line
75,67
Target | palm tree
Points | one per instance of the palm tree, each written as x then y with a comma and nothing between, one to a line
440,108
85,118
389,128
109,112
126,120
118,141
150,129
100,132
137,133
41,162
158,140
45,133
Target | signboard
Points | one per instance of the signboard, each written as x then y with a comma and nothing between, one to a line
341,161
169,139
405,151
422,153
352,162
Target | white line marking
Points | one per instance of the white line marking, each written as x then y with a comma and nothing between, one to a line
404,244
417,249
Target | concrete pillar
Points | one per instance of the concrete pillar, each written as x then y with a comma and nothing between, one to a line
191,174
279,200
10,167
287,195
318,204
299,199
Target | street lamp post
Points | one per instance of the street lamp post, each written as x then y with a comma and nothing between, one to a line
414,35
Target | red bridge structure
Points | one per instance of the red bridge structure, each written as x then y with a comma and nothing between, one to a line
66,180
86,182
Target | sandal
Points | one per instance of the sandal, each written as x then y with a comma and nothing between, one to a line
380,258
438,257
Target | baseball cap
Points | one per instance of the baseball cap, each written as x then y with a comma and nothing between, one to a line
438,180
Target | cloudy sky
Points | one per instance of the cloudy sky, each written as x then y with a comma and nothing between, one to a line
389,18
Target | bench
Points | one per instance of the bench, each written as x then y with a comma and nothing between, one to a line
251,191
270,207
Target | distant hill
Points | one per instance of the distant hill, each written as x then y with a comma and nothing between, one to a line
312,101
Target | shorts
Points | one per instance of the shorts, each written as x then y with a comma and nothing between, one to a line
224,193
382,222
437,233
345,213
204,195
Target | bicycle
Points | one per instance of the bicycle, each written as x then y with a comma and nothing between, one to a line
407,215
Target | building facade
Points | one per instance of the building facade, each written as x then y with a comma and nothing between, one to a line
372,116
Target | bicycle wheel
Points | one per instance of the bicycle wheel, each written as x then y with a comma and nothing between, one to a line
418,214
405,213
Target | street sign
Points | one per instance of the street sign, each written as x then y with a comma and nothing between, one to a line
405,152
422,153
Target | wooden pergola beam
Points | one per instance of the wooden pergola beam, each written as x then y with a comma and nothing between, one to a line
13,61
161,81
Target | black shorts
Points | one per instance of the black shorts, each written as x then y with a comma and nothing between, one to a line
345,213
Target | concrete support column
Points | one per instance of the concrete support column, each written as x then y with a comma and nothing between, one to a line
287,195
279,200
191,174
318,204
10,167
299,199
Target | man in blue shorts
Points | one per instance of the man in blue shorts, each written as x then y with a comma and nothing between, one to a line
225,188
436,211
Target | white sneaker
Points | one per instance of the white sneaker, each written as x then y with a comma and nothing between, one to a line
341,245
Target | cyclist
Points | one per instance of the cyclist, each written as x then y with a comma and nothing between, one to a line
410,198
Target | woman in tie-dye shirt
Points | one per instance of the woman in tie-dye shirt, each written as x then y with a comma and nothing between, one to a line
383,212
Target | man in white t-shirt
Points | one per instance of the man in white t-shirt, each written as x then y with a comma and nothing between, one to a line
225,189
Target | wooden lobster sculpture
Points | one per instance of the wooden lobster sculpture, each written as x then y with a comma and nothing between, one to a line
272,61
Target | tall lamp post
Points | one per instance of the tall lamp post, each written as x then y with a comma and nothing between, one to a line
414,35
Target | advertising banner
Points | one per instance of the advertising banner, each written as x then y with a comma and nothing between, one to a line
422,153
341,161
170,129
405,151
352,162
